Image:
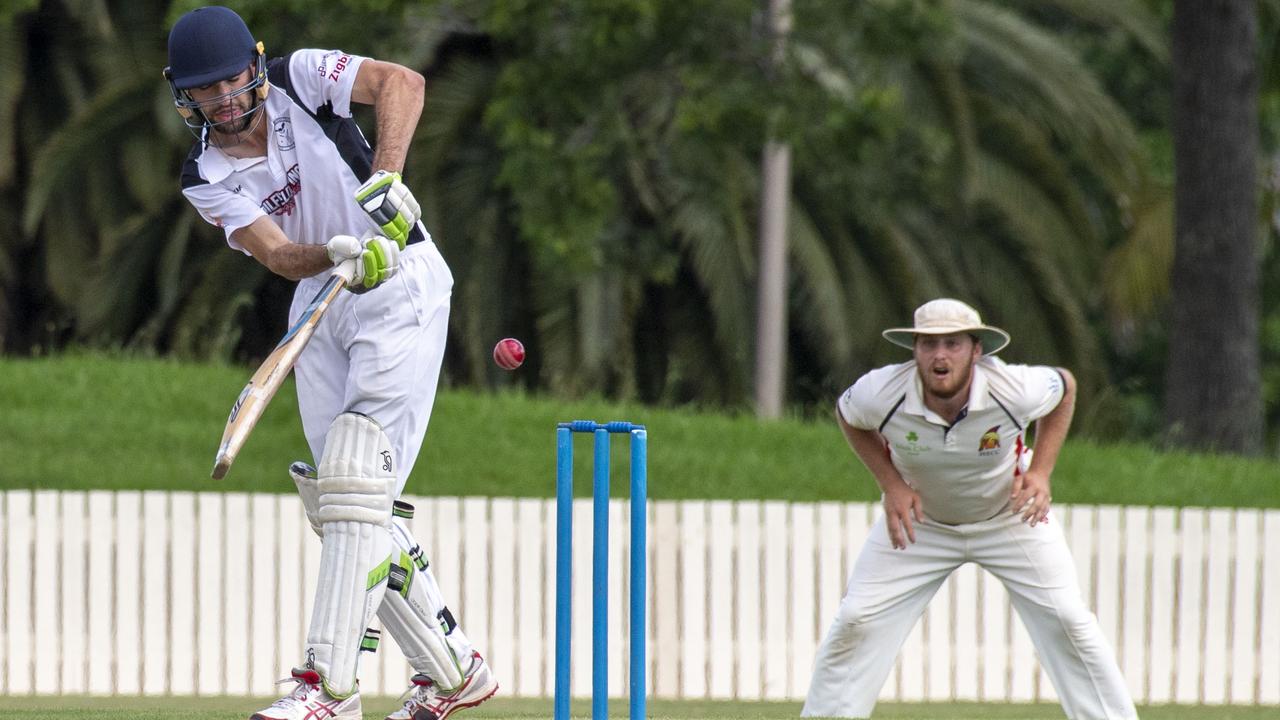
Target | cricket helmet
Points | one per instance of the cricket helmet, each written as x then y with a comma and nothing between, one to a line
210,44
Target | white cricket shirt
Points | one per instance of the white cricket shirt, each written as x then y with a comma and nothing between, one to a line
963,471
316,158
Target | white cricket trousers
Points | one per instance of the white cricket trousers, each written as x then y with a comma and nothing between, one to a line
378,354
889,589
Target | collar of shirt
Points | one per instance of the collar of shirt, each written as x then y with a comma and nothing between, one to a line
216,165
979,397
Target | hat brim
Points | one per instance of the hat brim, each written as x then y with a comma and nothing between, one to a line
993,339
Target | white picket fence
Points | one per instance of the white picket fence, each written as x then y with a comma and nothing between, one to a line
127,593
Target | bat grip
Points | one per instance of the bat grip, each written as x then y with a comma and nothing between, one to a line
346,269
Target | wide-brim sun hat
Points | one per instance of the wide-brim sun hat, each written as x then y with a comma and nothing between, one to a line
945,316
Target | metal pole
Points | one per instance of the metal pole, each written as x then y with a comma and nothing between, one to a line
639,567
600,581
564,566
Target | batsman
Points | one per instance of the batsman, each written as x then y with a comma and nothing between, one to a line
280,165
944,435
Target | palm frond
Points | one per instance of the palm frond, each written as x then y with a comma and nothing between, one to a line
874,304
957,113
909,265
151,184
170,278
1022,65
208,327
1131,16
107,115
1037,220
1018,269
714,259
821,305
1135,278
12,79
108,303
455,103
72,250
1028,147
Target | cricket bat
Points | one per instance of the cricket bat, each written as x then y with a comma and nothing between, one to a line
271,374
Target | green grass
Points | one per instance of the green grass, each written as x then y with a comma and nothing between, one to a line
223,708
95,422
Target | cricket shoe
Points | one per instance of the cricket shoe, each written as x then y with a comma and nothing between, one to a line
310,701
426,702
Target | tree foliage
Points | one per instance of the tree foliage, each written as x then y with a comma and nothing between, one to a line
590,171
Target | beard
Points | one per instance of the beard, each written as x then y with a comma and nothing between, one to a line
947,387
236,130
236,125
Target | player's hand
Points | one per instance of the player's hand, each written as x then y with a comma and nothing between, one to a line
902,507
390,204
1030,496
377,259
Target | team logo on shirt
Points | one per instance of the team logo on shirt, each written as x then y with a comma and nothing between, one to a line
285,200
912,447
989,443
283,128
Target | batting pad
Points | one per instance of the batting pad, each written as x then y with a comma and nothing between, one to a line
414,613
356,481
356,485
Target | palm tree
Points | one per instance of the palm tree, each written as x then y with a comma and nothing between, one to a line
590,173
996,184
1036,158
109,252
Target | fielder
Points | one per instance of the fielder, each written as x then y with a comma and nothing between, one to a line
944,437
282,168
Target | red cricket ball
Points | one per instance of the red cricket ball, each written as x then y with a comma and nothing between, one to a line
508,353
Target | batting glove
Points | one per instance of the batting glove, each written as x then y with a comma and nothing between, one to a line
377,259
390,204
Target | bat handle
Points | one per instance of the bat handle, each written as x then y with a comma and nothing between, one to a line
346,269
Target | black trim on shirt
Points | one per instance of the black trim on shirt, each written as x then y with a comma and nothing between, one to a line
343,132
964,413
1006,411
892,412
190,176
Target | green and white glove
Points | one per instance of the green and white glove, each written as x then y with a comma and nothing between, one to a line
377,259
390,204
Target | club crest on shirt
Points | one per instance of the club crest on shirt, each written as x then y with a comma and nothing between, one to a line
912,447
284,133
989,443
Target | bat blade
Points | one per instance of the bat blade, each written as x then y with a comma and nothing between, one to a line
250,405
255,396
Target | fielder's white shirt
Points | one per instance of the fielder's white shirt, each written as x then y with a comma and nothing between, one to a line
316,158
963,471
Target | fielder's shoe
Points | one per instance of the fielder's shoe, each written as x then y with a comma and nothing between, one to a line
427,703
310,701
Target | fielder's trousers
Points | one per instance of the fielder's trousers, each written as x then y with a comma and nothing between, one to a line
889,589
